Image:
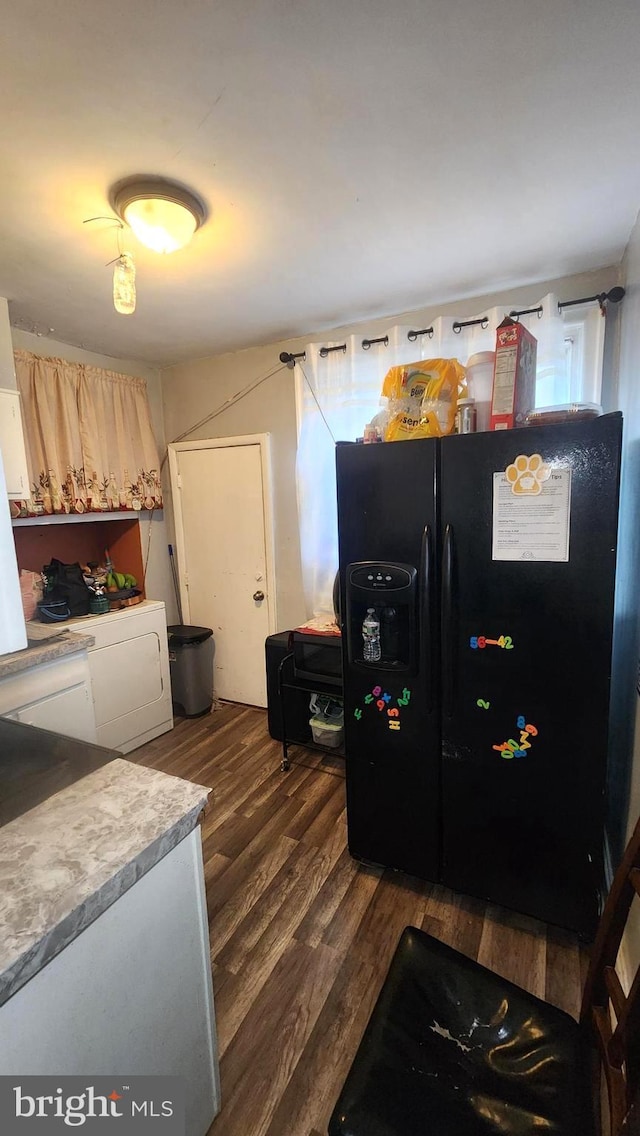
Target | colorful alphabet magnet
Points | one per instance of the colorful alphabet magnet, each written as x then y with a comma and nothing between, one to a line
382,701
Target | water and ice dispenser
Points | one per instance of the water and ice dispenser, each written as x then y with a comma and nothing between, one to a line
382,616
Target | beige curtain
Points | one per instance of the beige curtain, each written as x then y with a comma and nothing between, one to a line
90,443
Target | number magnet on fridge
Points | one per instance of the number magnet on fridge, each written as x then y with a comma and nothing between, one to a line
513,748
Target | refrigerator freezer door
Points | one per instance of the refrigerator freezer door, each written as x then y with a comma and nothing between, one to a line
386,516
526,650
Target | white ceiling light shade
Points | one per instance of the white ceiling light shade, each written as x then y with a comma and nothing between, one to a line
163,214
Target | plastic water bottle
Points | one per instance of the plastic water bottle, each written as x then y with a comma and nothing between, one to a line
371,650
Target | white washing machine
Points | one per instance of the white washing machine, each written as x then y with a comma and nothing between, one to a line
129,667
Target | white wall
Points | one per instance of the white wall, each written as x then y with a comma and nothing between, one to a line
8,379
629,403
625,733
191,390
153,533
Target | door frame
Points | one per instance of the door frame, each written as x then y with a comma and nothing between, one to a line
264,443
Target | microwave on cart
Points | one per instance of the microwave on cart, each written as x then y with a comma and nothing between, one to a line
317,658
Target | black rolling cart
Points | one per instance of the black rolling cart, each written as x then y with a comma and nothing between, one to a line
288,700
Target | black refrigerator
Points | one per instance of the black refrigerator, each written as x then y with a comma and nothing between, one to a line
476,744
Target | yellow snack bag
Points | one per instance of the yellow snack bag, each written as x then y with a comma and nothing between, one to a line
422,398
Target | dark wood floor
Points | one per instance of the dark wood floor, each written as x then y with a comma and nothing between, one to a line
301,935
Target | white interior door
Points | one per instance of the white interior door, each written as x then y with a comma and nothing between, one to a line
221,499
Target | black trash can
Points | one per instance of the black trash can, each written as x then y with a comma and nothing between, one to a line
191,652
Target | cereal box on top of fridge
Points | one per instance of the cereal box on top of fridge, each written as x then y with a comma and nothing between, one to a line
514,375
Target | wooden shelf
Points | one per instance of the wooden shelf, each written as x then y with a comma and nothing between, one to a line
82,518
119,532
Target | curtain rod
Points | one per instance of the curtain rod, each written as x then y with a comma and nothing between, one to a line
614,296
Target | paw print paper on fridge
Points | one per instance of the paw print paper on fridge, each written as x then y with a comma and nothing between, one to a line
531,511
526,475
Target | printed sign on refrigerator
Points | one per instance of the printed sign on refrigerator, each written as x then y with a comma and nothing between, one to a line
531,511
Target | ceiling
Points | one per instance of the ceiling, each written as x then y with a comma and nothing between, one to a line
358,158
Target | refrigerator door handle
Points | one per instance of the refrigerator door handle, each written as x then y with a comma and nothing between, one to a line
448,630
426,609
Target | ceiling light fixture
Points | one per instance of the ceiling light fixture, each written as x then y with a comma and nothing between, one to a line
163,214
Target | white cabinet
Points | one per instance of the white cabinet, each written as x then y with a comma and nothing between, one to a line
13,636
130,995
129,667
69,712
12,446
55,696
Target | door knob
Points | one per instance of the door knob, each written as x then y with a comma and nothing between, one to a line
258,596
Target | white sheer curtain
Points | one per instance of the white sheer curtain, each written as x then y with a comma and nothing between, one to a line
336,395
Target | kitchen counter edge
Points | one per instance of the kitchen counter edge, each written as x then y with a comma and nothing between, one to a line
67,643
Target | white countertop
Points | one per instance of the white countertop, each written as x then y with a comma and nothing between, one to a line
68,859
